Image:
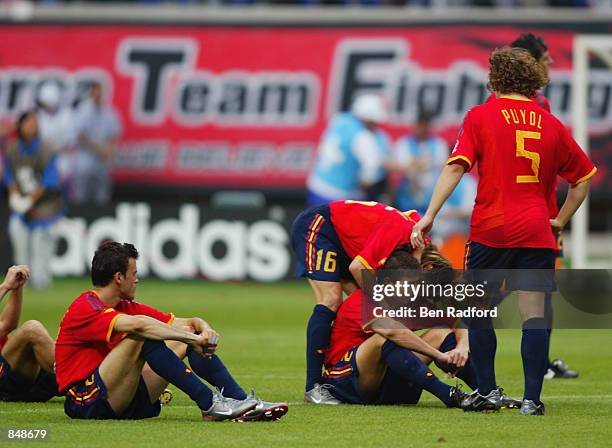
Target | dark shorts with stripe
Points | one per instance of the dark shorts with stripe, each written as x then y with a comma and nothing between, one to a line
318,252
14,388
87,399
344,377
521,268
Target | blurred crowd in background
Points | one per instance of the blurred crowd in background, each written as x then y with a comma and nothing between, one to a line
417,3
55,154
357,160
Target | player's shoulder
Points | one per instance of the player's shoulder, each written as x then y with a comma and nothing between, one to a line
130,306
88,301
412,215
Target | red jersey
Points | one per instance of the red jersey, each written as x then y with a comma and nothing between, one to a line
87,335
520,149
543,102
370,231
347,330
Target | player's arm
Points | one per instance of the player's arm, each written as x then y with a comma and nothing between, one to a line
145,327
459,355
460,161
356,267
447,182
394,331
578,170
576,195
13,282
197,324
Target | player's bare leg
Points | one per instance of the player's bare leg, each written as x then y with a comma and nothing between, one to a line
371,366
29,349
120,371
348,286
328,294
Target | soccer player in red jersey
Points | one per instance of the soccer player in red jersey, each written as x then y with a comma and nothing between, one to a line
26,357
520,149
384,362
333,243
112,361
537,47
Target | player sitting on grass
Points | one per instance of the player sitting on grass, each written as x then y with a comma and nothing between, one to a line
115,356
384,362
27,356
333,244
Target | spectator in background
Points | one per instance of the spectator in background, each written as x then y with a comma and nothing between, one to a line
419,158
56,127
35,198
99,129
350,158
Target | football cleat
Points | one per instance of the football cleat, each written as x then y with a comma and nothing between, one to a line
263,410
457,397
226,408
559,369
483,403
166,397
530,408
507,402
320,394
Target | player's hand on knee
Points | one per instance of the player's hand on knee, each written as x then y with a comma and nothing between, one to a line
458,357
209,341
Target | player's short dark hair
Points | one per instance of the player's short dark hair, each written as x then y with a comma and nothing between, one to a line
110,258
535,45
402,258
514,70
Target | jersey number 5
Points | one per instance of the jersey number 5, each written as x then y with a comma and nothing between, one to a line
521,136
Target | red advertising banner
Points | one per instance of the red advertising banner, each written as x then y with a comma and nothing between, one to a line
222,106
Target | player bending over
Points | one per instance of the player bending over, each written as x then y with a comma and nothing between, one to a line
384,362
520,149
333,243
115,356
27,357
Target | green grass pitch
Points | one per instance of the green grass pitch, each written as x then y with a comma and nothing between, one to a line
263,338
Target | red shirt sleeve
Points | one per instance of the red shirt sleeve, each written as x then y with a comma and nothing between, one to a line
93,321
575,166
134,308
384,241
464,151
